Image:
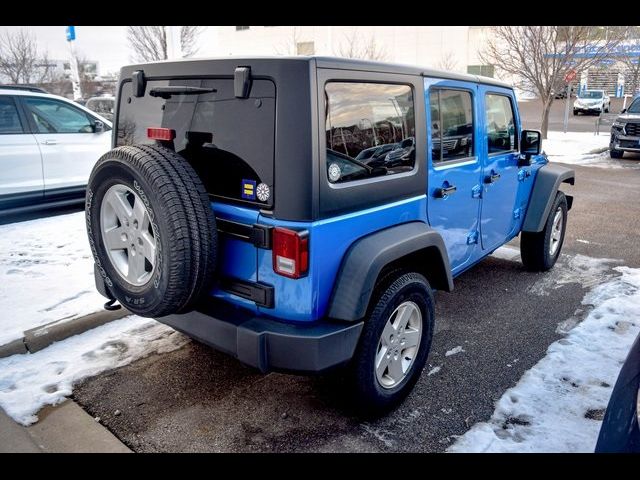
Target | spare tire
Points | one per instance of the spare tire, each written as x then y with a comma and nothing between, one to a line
151,229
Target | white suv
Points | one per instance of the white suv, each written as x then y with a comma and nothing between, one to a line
592,101
48,146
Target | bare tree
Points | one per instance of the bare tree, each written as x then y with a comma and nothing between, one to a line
632,60
356,46
448,61
20,60
149,43
539,57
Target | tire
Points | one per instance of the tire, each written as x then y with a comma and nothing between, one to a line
606,110
535,247
613,153
178,246
575,112
401,290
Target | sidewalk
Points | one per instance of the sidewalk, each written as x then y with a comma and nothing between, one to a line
65,428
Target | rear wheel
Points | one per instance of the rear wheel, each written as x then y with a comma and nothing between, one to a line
395,343
540,250
151,229
575,112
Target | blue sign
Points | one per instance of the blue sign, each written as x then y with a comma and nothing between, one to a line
71,33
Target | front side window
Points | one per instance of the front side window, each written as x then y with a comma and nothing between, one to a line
54,116
9,119
451,125
501,128
370,130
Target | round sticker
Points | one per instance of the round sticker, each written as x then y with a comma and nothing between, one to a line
334,172
262,192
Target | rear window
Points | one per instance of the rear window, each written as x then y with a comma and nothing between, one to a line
228,140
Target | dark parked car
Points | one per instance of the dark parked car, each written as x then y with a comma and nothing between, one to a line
620,430
625,131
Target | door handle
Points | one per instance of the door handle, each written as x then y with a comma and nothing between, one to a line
445,191
493,178
50,142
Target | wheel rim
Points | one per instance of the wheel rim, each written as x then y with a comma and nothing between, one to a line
556,232
398,345
128,235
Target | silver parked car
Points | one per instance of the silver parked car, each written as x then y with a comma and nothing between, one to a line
103,105
48,146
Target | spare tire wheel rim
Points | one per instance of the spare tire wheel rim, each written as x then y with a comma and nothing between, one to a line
128,235
398,344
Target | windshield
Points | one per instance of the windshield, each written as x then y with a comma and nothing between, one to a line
591,94
634,107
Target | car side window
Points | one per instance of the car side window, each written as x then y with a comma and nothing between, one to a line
500,118
451,124
370,130
9,118
54,116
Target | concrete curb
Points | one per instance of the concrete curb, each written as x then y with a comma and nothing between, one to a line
65,428
41,337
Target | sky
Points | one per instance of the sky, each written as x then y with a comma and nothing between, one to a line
105,44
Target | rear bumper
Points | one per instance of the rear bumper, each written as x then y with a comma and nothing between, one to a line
268,344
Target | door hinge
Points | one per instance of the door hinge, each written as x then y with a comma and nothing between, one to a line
472,238
523,174
476,192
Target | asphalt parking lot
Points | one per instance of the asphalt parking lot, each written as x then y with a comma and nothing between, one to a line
530,115
504,318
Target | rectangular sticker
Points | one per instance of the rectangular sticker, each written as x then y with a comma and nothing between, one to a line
248,189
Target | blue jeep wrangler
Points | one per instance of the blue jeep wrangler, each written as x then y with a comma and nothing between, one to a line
297,213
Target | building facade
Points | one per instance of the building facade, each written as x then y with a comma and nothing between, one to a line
451,48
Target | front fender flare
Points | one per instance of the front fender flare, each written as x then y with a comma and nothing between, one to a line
548,180
367,256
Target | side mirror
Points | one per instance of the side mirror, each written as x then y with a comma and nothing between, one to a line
623,110
530,144
98,126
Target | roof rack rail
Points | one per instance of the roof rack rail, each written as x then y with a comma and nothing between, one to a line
28,88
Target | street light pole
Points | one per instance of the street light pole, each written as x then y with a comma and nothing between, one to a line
566,107
73,63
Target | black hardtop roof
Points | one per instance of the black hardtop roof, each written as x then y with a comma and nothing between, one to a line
329,62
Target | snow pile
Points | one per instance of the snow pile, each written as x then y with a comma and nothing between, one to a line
30,381
557,406
46,274
580,148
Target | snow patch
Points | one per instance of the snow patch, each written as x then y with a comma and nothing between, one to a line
434,370
554,407
507,253
453,351
580,148
586,271
50,256
30,381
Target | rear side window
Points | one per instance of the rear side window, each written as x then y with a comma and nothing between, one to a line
501,135
9,119
451,125
370,130
54,116
229,141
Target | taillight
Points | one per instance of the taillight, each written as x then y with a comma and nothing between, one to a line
157,133
290,252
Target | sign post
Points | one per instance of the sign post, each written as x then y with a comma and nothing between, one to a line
568,78
73,63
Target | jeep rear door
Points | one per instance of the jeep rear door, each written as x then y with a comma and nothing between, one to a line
455,171
229,141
